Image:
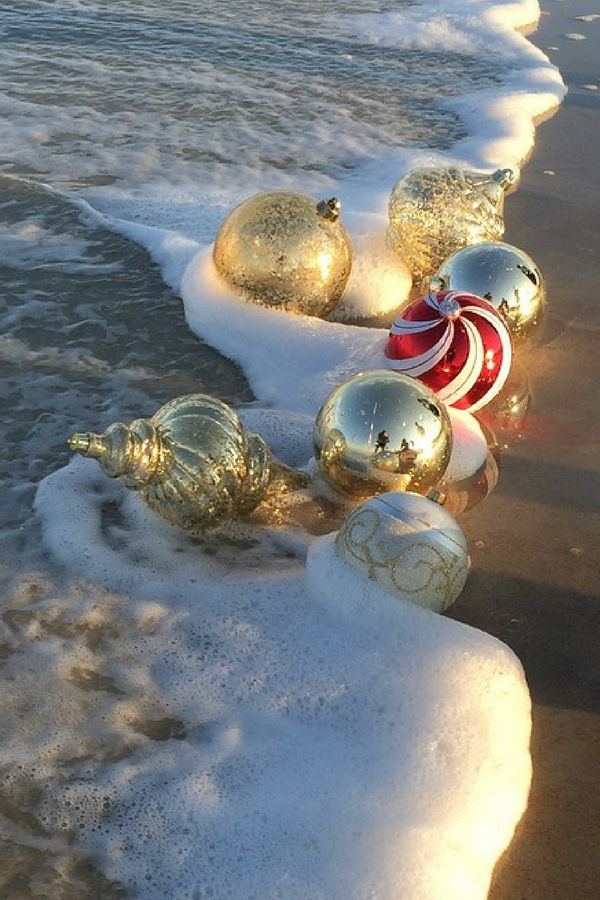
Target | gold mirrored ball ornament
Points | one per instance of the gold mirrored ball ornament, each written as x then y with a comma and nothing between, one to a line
504,275
433,212
193,462
284,250
382,431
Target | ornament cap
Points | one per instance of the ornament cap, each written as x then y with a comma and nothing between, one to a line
330,209
437,283
504,177
80,443
449,307
437,496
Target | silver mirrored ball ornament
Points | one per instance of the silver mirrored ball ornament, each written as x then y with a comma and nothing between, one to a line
506,276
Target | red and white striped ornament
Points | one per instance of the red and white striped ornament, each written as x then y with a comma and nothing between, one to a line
456,343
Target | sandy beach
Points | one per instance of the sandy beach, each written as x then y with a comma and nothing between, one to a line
534,582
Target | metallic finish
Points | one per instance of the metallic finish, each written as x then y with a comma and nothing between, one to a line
283,250
382,431
506,415
433,212
456,343
470,492
504,275
193,462
409,545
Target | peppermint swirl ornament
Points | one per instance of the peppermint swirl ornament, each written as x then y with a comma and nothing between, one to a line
454,342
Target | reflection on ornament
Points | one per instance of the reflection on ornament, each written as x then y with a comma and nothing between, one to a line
409,545
433,212
505,276
456,343
382,431
193,462
505,415
464,495
283,250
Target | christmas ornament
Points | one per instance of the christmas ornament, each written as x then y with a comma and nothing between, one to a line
505,276
433,212
409,545
382,431
283,250
193,462
456,343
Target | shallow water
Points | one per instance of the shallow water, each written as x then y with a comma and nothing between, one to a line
204,89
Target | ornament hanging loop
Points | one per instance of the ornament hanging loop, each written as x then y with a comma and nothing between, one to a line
330,209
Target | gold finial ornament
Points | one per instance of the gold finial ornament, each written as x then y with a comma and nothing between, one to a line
282,249
193,462
433,212
382,431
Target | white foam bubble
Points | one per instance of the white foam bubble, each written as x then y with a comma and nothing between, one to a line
257,730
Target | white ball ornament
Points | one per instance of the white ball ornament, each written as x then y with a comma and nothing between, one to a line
409,545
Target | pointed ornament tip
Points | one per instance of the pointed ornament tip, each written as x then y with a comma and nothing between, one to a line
79,443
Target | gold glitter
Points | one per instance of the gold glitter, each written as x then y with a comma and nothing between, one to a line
433,212
282,249
417,564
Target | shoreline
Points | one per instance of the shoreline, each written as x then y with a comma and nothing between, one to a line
534,541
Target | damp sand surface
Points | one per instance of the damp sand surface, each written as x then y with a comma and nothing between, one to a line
535,540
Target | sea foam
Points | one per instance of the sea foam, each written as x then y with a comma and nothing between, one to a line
276,729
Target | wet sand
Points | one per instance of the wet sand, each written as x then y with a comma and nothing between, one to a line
535,582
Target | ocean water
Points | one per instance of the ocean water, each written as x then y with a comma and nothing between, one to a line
172,706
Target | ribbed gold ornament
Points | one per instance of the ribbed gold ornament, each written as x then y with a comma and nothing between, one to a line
284,250
433,212
193,462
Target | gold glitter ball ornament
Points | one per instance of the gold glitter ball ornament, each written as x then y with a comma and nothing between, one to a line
433,212
382,431
284,250
409,545
505,276
193,462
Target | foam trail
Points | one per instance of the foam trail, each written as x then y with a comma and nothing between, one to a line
275,731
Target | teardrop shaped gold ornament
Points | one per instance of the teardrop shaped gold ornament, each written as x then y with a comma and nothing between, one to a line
433,212
193,462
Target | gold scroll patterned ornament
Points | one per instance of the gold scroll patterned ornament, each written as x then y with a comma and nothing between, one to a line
410,546
193,462
284,250
433,212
